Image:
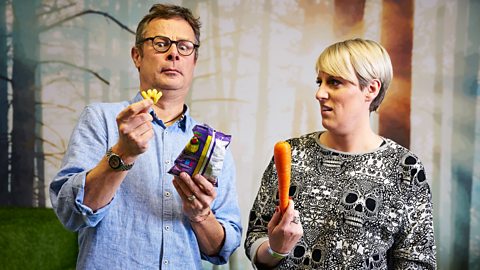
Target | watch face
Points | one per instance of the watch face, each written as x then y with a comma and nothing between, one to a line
114,161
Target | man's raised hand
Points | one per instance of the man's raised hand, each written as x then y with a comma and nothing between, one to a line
135,129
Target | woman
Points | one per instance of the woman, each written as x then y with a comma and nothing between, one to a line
361,201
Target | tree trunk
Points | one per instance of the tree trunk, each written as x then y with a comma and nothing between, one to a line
4,179
39,184
25,57
442,224
262,97
219,82
467,66
126,93
348,18
86,59
397,38
303,108
190,5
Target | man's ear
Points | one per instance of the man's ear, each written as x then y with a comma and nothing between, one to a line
136,56
372,90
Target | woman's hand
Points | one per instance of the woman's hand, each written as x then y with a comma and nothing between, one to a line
285,230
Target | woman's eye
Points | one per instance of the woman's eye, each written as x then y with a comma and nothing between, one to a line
334,82
319,82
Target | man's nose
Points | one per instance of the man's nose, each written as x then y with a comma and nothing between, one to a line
172,53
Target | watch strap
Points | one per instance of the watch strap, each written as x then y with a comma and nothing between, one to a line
123,166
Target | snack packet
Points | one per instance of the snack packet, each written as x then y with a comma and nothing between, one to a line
203,154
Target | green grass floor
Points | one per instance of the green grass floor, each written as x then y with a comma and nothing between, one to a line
33,238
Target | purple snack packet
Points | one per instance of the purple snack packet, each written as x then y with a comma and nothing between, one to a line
203,154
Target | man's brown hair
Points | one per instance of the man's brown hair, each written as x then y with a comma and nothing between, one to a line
165,11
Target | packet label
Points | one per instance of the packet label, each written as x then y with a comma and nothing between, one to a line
203,154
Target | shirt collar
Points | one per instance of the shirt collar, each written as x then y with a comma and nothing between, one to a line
182,123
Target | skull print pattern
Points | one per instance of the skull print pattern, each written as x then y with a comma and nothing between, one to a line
358,211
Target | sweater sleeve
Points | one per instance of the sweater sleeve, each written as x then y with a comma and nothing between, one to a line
414,246
262,210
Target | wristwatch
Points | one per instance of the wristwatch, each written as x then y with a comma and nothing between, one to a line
116,162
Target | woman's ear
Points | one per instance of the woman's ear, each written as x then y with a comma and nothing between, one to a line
372,90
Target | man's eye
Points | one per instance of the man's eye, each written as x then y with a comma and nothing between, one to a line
182,47
161,44
185,45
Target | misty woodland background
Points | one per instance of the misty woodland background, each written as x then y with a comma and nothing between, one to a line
255,79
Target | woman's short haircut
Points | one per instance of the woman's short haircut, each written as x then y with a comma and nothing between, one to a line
358,59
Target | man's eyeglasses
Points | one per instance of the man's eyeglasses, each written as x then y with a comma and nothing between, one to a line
162,44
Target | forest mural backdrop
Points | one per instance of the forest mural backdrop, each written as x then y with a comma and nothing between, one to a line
255,79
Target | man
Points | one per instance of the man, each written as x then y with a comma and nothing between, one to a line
113,186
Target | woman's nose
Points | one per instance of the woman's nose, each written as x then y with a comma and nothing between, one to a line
321,93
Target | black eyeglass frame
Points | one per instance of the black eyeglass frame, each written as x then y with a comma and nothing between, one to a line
195,46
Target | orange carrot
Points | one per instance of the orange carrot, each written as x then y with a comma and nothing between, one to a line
282,155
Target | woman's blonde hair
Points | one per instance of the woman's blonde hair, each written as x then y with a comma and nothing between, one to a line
358,58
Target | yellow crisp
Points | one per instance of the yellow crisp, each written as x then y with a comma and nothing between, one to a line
152,94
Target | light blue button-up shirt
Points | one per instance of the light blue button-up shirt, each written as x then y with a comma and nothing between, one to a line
143,227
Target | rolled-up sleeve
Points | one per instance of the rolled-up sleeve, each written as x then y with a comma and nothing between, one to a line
227,212
68,186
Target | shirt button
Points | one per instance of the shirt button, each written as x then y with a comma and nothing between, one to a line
165,261
167,194
167,161
167,228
